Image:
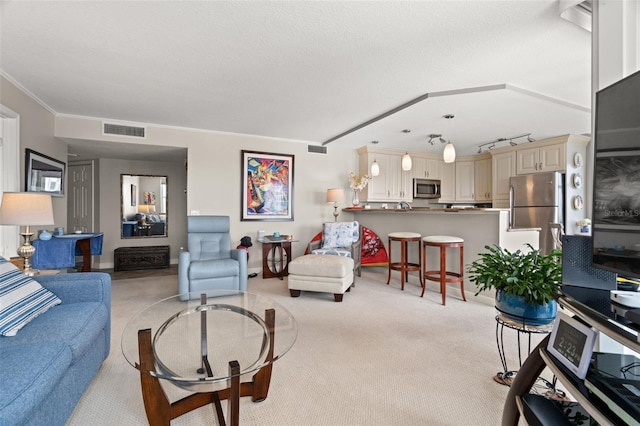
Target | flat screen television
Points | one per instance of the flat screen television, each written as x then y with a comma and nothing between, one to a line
616,183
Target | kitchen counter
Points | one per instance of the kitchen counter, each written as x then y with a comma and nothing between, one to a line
423,210
478,227
473,210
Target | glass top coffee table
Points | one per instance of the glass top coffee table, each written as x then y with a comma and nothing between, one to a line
220,345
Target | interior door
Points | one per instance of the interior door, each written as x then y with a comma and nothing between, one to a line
80,215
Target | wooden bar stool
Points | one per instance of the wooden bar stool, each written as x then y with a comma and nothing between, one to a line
404,266
442,275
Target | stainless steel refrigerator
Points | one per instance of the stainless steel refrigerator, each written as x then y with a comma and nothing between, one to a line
536,201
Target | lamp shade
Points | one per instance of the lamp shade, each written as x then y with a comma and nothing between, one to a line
449,154
26,208
406,162
375,168
335,195
147,208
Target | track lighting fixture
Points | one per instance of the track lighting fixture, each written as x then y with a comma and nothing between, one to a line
491,145
449,154
431,137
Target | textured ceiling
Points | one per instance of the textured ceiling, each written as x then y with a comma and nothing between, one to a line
307,70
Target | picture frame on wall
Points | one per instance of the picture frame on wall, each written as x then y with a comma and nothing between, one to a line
134,195
44,174
267,186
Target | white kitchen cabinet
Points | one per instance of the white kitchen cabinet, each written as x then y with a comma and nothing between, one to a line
399,182
426,168
482,180
406,186
376,190
392,184
465,180
548,158
504,166
448,183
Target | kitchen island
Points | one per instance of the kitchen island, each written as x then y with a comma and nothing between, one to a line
478,228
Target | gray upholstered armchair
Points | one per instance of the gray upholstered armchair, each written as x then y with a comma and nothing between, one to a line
209,262
341,239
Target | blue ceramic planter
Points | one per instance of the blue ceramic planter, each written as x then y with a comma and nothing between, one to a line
517,309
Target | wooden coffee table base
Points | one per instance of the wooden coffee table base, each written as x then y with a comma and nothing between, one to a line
160,411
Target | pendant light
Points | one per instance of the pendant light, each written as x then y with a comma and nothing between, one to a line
449,154
375,168
406,162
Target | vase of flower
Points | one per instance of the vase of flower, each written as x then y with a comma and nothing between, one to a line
357,183
356,199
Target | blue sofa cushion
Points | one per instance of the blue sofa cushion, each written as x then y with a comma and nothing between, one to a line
21,299
214,268
76,324
33,370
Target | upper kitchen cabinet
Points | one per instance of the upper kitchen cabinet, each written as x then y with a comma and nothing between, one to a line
448,183
548,155
465,180
549,158
562,153
504,166
427,167
482,179
377,187
392,184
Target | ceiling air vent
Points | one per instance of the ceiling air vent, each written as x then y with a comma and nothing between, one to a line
317,149
123,130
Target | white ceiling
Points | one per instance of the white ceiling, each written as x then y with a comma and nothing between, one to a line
308,70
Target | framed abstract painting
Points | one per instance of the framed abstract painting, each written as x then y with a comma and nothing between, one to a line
267,186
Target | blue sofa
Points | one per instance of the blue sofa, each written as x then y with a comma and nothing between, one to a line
47,366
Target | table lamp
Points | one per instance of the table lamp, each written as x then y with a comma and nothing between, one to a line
335,196
26,209
146,209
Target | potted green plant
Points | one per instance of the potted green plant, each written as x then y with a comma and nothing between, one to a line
526,282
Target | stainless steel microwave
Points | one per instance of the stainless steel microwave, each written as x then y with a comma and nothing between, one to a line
426,188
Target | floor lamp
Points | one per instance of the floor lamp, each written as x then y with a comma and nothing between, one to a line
26,209
335,196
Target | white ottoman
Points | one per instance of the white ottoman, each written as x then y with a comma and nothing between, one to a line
324,273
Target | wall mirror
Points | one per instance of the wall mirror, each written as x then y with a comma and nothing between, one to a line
143,206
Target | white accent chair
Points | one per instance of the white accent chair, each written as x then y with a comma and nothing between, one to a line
340,239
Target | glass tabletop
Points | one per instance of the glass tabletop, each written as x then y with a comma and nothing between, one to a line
224,326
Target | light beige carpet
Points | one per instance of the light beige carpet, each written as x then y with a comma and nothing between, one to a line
381,357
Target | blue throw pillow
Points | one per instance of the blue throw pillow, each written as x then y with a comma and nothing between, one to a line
21,299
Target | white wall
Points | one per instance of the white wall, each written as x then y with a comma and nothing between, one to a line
109,193
214,180
36,132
